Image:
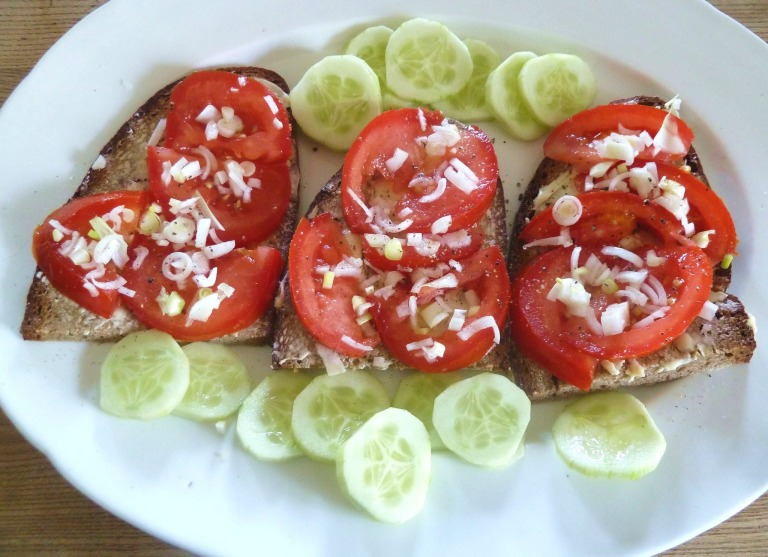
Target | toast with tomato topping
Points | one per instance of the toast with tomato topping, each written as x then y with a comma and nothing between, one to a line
721,335
123,164
348,302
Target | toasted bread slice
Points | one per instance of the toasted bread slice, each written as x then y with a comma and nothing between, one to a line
50,315
295,348
706,346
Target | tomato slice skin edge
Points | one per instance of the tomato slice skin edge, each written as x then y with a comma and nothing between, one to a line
570,141
60,270
486,272
328,314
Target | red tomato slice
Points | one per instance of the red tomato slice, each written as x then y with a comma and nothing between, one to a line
707,212
366,176
266,135
571,141
566,347
485,273
248,223
537,324
326,313
607,218
252,273
65,275
412,259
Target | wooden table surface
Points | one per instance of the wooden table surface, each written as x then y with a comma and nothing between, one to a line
40,513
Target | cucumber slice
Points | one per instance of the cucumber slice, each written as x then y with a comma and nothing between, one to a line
333,407
609,435
416,393
385,466
218,383
264,419
469,104
144,376
426,61
557,86
483,419
370,45
335,99
505,101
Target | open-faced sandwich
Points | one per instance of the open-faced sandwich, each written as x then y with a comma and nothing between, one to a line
183,222
621,258
400,259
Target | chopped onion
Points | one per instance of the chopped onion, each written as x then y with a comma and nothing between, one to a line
354,344
212,252
615,318
177,266
206,282
157,133
441,225
485,322
567,210
708,311
436,194
141,254
396,161
651,317
614,251
416,345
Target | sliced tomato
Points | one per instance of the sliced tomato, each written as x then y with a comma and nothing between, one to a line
63,273
367,179
485,273
537,324
327,313
266,135
686,275
707,212
412,259
566,346
253,274
571,141
607,218
246,222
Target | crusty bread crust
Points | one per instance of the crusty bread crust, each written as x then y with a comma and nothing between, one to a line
727,340
295,348
50,315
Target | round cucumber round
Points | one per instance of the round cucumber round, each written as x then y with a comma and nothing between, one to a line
609,435
144,376
426,61
385,466
332,407
335,99
505,101
370,45
416,393
218,382
483,419
264,419
557,86
469,104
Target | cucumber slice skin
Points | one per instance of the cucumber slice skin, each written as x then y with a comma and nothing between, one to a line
335,99
608,435
234,383
470,103
264,420
416,394
505,101
385,466
556,86
483,419
413,72
127,386
331,408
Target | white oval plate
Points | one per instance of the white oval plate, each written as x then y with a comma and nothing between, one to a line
187,484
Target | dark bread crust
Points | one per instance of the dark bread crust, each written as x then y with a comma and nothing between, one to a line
294,346
728,340
50,315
